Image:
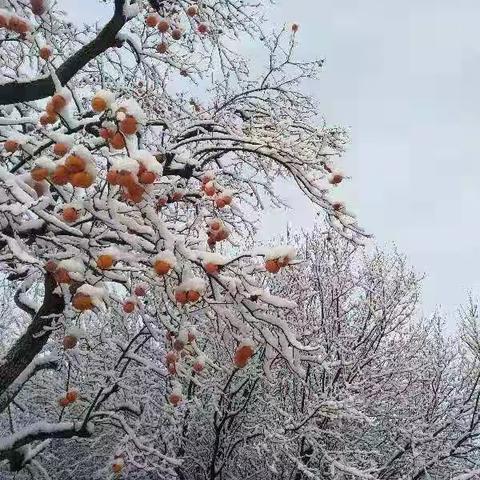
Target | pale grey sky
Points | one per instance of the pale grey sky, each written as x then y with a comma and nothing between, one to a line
403,76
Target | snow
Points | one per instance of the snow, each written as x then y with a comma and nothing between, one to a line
280,252
72,265
125,163
131,10
76,332
276,301
226,192
201,360
120,116
41,429
45,162
5,13
18,250
107,96
75,268
28,302
27,373
133,299
468,476
119,461
97,294
196,284
84,153
148,161
15,209
348,469
212,257
132,108
62,138
135,42
180,191
183,156
18,120
109,125
247,342
183,336
77,205
112,251
35,224
18,137
176,388
166,256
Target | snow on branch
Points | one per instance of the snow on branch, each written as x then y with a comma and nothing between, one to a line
13,92
37,364
42,431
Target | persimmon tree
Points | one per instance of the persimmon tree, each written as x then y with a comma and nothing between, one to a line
135,156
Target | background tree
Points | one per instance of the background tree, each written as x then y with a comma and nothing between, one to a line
384,395
389,396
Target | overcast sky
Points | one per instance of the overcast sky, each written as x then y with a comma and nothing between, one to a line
404,78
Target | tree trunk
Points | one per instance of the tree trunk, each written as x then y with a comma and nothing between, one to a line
30,344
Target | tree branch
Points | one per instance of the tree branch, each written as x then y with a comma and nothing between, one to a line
30,344
10,446
14,92
17,298
35,366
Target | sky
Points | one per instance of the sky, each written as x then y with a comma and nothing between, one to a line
403,78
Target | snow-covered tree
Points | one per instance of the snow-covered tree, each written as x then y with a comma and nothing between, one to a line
135,158
384,394
390,396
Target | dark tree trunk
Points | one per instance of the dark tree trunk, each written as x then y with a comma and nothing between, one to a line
30,344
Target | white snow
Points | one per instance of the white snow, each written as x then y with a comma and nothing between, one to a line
177,388
112,251
280,252
132,108
183,336
45,162
119,461
77,205
211,257
5,13
148,161
107,96
125,163
62,138
195,283
247,342
10,441
18,250
166,256
131,10
76,332
75,268
227,192
97,294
